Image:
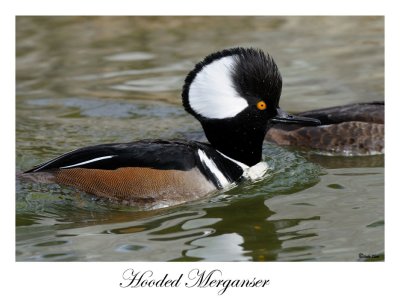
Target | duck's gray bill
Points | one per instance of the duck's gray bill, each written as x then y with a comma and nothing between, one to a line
283,117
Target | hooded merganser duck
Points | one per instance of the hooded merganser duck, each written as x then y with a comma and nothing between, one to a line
354,129
234,94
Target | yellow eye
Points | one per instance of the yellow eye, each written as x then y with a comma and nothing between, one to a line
261,105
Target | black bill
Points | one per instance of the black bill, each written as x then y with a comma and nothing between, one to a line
283,117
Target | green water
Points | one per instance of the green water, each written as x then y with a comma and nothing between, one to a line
85,81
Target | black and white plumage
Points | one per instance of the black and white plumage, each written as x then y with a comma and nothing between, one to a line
223,92
179,155
234,94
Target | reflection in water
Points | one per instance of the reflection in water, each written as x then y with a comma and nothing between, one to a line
241,230
244,233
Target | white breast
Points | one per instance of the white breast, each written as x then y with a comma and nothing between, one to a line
257,171
253,173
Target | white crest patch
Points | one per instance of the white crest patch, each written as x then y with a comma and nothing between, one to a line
212,93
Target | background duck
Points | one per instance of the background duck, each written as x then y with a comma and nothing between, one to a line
354,129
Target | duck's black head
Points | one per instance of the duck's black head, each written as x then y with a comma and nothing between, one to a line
235,95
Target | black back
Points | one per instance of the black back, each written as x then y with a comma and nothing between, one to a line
156,154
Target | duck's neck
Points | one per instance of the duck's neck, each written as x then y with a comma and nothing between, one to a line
237,142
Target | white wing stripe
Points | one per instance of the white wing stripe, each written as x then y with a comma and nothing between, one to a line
88,161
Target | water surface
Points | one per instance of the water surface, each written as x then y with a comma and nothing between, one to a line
85,81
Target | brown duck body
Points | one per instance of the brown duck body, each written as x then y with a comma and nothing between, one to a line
140,186
355,129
